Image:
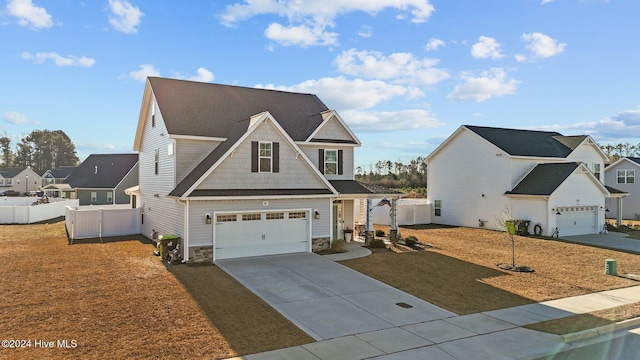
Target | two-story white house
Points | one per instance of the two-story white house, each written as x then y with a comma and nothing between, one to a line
622,175
239,171
553,181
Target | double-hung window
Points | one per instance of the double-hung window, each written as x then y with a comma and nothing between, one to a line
596,170
626,176
331,162
265,156
437,208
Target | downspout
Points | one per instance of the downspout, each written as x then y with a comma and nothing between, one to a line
185,235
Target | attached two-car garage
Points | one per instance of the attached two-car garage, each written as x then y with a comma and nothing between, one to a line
254,233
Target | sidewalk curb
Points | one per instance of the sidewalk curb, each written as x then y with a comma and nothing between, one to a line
601,330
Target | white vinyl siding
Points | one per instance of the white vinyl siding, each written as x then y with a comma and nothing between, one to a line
333,130
166,216
235,171
630,203
189,153
311,150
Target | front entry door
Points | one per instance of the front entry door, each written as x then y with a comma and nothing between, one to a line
338,221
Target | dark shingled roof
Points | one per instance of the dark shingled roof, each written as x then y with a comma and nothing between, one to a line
10,172
614,191
111,169
528,142
634,159
62,172
357,188
544,179
214,110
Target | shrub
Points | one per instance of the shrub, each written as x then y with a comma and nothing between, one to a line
377,244
380,233
339,246
411,241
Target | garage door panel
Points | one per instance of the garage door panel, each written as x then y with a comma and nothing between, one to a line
266,233
577,220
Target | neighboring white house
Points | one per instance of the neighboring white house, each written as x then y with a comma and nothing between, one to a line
240,171
622,175
480,173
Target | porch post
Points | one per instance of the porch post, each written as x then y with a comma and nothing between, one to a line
393,230
619,215
369,234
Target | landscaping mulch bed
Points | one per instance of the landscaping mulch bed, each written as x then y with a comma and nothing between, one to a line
117,300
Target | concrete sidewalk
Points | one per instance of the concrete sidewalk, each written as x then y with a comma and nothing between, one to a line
355,317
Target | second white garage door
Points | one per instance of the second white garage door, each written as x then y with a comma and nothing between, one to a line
261,233
577,220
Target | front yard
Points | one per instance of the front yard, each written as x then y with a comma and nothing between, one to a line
116,300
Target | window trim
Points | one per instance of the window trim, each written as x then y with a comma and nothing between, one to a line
94,196
110,197
627,174
437,207
327,162
156,162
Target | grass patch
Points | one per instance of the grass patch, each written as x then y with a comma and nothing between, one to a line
460,274
117,300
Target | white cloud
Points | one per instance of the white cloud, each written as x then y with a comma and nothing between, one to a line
398,67
365,31
29,15
59,60
124,16
543,46
342,94
204,75
486,47
620,127
16,118
434,44
145,71
520,58
372,121
309,19
302,35
489,84
546,2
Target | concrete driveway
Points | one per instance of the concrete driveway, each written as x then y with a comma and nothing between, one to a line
611,240
326,299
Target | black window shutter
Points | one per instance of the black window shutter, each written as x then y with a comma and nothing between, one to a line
340,171
254,156
276,157
321,160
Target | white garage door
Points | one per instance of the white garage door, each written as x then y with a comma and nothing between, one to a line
577,220
261,233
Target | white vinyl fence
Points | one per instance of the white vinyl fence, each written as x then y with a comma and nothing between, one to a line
20,211
409,212
92,222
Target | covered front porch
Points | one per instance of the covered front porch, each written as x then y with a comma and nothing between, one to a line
349,224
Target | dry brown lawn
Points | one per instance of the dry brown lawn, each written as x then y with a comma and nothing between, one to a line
117,300
460,272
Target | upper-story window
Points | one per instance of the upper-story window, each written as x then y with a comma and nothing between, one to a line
153,114
596,170
265,157
627,176
156,161
331,162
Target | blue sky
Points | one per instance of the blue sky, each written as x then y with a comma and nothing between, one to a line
404,74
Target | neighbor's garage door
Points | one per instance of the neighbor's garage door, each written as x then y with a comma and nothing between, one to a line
261,233
577,220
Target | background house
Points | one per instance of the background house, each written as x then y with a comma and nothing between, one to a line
19,179
53,179
242,171
622,175
102,178
481,173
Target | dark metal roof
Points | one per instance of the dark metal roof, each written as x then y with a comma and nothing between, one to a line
544,179
214,110
517,142
352,187
259,192
102,171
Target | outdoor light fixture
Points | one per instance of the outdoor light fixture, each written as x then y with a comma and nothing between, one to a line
316,214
